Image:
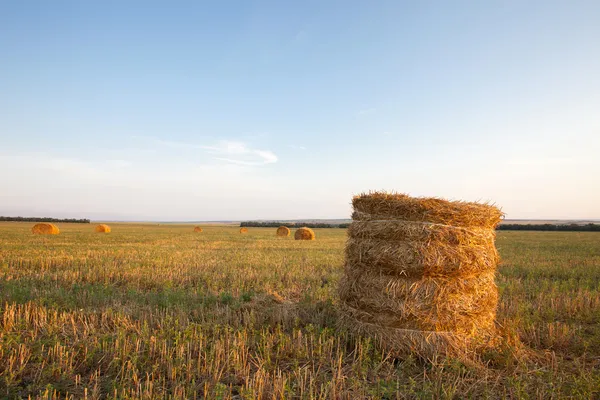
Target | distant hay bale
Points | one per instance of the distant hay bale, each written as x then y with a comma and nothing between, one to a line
304,234
197,229
419,274
45,228
243,230
102,228
283,231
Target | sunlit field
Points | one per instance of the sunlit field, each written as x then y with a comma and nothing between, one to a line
158,311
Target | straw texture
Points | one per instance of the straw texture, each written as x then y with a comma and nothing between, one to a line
304,234
283,231
419,274
102,228
384,206
45,229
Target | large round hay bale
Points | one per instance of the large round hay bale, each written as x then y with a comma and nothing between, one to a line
45,228
197,229
419,274
243,230
283,231
304,234
102,228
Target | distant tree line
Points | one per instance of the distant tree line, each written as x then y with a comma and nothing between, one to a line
45,219
501,227
550,227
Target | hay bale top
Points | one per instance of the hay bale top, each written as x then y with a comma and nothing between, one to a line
45,228
197,229
283,231
304,234
243,230
103,228
396,206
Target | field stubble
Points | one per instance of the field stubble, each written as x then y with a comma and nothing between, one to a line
160,312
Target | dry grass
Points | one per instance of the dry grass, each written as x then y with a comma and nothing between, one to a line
102,228
45,229
304,234
283,231
160,312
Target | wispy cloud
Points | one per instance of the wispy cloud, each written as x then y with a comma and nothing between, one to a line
267,156
230,151
245,155
240,154
367,111
49,183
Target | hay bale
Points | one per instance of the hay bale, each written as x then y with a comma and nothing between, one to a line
304,234
45,228
197,229
283,231
419,274
102,228
243,230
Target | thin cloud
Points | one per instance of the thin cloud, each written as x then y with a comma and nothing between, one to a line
268,157
230,151
249,159
240,154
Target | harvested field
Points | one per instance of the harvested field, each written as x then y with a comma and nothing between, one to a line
161,312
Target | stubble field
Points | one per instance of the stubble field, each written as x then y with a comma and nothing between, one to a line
152,311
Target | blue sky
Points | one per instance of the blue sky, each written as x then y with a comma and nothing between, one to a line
186,110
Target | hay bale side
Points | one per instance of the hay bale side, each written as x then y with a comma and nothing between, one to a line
304,234
197,229
243,230
421,258
45,228
419,274
102,228
283,231
417,231
461,306
400,342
